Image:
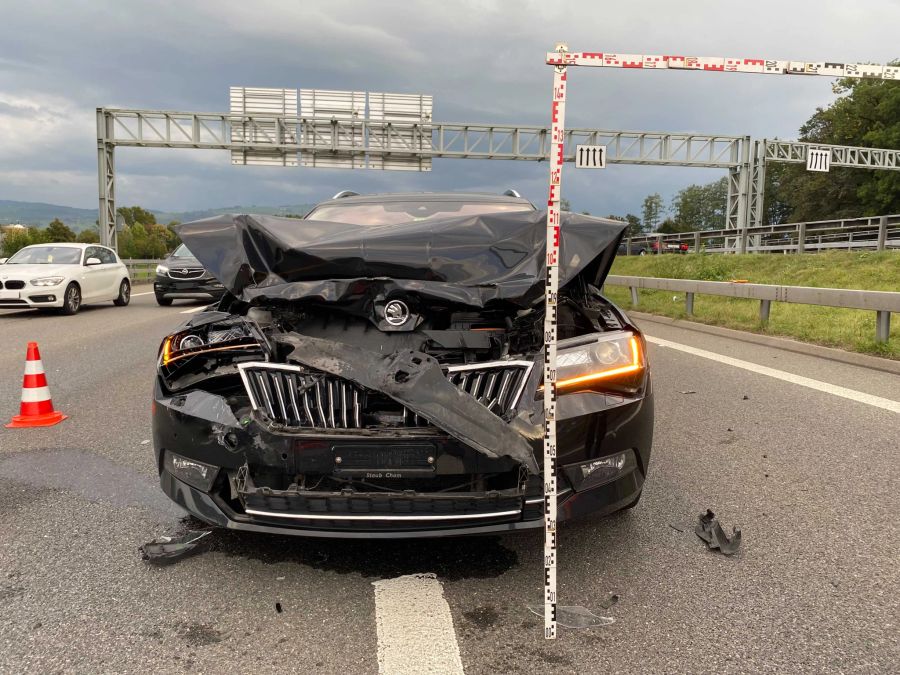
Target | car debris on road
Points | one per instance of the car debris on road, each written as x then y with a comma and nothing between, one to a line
710,530
169,550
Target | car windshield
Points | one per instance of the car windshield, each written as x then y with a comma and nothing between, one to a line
46,255
182,252
395,212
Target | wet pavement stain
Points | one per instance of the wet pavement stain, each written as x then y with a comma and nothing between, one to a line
10,592
199,634
482,617
89,476
451,559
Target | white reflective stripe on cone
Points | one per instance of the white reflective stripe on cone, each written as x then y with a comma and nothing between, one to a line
34,367
35,394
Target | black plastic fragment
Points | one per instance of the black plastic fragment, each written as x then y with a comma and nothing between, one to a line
169,550
710,530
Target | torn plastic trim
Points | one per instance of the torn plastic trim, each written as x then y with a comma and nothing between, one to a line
205,406
709,529
169,550
417,381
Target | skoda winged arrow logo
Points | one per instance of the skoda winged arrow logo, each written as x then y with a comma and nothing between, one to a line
396,312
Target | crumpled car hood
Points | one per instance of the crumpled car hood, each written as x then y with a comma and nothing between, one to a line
472,260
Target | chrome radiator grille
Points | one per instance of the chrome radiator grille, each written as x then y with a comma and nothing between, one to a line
186,272
295,397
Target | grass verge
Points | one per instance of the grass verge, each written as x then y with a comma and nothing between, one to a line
849,329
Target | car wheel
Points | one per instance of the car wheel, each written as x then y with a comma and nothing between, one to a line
124,294
71,299
163,302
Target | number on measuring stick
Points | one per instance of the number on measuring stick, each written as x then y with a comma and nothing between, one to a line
590,156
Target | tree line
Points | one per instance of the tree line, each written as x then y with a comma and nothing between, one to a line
866,113
141,237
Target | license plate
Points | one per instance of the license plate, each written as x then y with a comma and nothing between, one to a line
9,295
384,461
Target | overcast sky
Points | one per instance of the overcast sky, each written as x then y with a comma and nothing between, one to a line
481,60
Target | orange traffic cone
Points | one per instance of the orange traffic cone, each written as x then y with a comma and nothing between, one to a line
37,408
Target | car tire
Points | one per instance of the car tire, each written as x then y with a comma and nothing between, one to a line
124,296
71,299
163,302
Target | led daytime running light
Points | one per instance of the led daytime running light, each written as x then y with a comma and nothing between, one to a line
633,367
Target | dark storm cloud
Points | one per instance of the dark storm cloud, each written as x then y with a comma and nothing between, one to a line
482,61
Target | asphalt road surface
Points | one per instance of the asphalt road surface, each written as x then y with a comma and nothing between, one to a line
810,475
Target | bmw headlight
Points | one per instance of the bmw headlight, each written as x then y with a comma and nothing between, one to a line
47,281
601,362
162,270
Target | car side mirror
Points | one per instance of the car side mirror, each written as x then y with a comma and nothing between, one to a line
93,261
3,261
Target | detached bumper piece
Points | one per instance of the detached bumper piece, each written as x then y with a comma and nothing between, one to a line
378,510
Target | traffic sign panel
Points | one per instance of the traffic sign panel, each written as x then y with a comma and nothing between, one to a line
818,159
590,156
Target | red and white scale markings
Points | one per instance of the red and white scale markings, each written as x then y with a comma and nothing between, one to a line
561,59
723,64
557,132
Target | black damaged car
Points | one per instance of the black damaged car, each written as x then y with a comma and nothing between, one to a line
375,370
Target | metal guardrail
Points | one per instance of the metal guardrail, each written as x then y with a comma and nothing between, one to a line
881,302
875,233
140,269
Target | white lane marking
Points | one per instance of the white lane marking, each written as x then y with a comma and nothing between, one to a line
193,310
835,390
137,295
415,628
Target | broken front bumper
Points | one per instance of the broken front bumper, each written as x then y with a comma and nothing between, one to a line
203,428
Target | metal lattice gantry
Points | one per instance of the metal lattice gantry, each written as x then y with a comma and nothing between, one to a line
768,150
282,137
368,143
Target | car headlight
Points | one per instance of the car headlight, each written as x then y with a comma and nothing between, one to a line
47,281
162,270
204,340
601,362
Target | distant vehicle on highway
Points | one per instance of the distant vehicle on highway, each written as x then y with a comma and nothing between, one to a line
377,371
636,249
653,247
63,277
670,247
182,276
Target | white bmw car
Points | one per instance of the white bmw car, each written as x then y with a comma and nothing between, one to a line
63,277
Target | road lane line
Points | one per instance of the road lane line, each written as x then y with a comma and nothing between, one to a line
193,310
415,628
833,389
137,295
